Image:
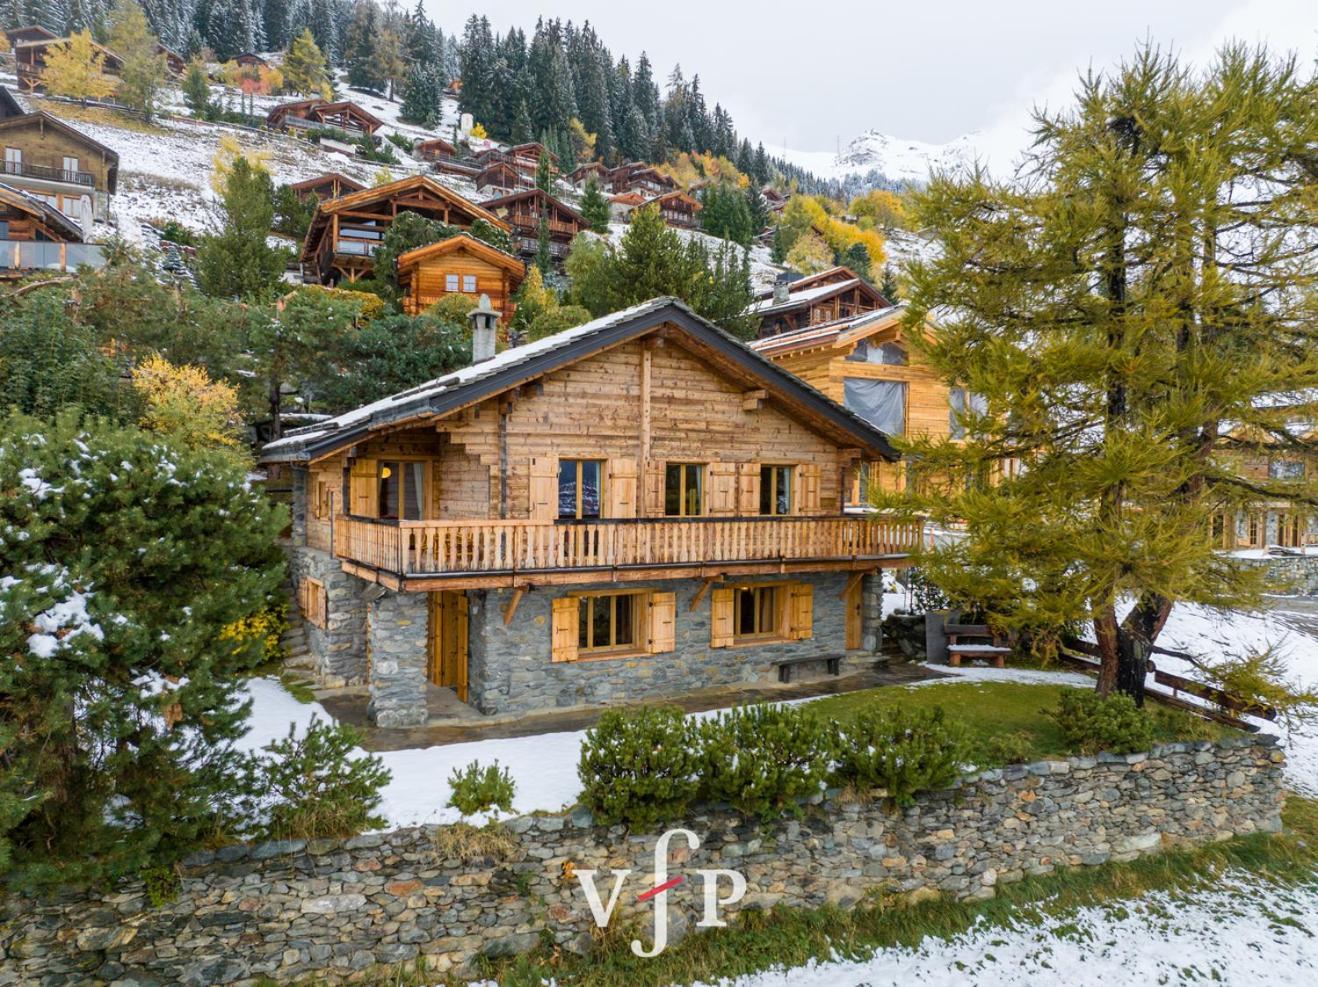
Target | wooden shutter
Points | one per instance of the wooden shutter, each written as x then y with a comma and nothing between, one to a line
544,489
663,622
364,488
748,489
807,489
654,488
721,624
855,624
622,488
721,496
800,611
566,610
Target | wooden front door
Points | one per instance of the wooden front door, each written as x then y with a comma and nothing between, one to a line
853,601
448,641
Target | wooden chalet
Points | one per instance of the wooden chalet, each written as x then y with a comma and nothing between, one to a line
629,510
47,158
35,236
250,59
523,211
175,63
1276,523
582,174
829,296
26,33
330,185
500,178
435,149
643,178
677,209
308,114
346,231
30,61
459,265
622,206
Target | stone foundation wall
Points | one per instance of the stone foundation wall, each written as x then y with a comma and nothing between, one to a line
1296,574
339,648
397,630
510,668
328,909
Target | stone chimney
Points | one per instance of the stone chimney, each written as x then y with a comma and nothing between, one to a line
483,319
779,292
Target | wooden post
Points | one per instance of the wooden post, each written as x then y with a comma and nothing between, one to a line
642,508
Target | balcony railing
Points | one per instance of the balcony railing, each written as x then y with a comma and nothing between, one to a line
358,248
423,548
41,255
26,169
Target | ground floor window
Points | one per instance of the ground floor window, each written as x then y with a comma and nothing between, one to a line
761,612
606,623
758,611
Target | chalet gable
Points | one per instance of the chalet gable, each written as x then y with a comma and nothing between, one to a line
666,318
39,121
47,220
535,199
880,326
462,243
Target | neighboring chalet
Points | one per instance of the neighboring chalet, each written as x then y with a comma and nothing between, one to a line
330,185
677,209
523,159
309,114
48,159
29,32
459,265
581,174
642,178
630,510
435,149
1274,523
30,61
250,59
522,211
500,178
622,206
175,64
345,232
35,236
829,296
9,105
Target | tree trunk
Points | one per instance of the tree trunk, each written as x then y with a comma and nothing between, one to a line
1107,635
1135,640
276,423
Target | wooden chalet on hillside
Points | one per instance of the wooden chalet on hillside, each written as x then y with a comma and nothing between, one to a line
629,510
500,178
459,265
582,174
522,159
523,211
833,295
54,162
346,231
310,114
250,59
677,209
35,236
26,33
435,149
330,185
637,177
30,61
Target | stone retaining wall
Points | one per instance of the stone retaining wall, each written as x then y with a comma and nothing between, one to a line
1289,573
327,909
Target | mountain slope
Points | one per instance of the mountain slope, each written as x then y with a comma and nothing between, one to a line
897,159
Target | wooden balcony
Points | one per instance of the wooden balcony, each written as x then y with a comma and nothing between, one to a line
423,554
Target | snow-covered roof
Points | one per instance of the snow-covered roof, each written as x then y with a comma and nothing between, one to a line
828,333
451,391
767,306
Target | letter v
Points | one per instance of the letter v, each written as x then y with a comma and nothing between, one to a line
601,912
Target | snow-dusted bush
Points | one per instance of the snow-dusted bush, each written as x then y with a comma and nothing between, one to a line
122,560
903,751
639,766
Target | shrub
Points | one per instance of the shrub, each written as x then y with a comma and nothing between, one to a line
763,760
1092,723
902,750
639,766
476,789
162,885
320,788
1009,748
467,843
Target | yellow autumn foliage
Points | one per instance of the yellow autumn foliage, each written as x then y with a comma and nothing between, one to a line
75,68
882,208
478,131
229,151
182,402
803,212
687,169
266,626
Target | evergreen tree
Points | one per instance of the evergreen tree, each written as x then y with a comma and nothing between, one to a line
305,70
857,257
237,262
196,89
594,206
1147,299
143,72
888,286
544,172
521,130
476,69
423,102
362,48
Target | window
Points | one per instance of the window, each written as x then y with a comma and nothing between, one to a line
450,282
882,403
579,487
469,283
323,504
959,400
775,490
758,611
607,623
889,354
13,157
402,490
684,490
70,164
1285,469
4,229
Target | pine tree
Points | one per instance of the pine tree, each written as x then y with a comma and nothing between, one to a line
1121,333
304,66
594,206
521,130
423,101
361,44
888,286
544,173
237,262
196,89
144,68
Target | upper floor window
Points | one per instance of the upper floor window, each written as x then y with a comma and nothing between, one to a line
450,282
882,403
402,490
684,490
13,156
579,487
959,401
889,354
469,283
775,490
70,164
1286,469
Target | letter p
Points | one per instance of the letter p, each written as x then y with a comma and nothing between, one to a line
710,919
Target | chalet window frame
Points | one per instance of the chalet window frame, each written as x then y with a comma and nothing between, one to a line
313,602
404,478
451,282
780,595
769,488
601,467
469,284
587,602
683,489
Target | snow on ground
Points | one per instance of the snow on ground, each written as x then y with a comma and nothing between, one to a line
1238,933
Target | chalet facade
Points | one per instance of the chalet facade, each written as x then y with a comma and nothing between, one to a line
499,178
460,265
644,179
632,509
835,295
523,160
622,206
330,185
582,174
677,209
310,114
30,61
346,231
1273,523
435,149
52,161
28,32
523,211
35,236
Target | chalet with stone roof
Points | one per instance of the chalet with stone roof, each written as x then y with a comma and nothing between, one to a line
525,210
834,295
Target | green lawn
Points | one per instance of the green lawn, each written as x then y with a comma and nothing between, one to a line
1007,720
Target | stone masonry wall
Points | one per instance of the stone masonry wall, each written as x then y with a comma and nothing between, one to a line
1289,573
510,669
397,627
329,909
339,648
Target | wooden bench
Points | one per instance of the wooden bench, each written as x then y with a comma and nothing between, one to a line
957,649
785,665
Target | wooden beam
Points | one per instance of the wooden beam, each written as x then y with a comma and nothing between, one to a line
511,608
642,508
702,592
752,400
852,583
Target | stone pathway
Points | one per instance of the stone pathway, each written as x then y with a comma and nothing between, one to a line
453,722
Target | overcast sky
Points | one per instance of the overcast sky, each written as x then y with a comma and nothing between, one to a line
810,73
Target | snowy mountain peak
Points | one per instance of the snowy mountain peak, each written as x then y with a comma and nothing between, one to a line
895,158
